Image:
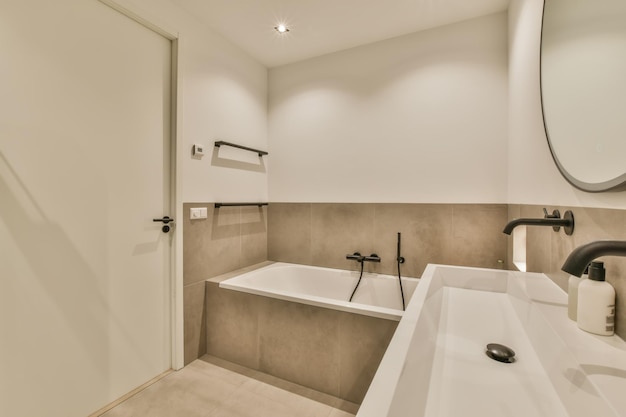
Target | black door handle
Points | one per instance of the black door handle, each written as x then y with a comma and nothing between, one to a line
165,220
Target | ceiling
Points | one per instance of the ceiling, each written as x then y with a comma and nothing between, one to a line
319,27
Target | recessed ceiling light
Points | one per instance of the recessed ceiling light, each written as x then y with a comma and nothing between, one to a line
281,28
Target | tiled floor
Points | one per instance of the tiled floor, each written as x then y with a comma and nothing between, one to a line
204,389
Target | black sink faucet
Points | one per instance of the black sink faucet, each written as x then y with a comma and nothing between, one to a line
580,257
554,220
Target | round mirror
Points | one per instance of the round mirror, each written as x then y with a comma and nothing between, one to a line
583,90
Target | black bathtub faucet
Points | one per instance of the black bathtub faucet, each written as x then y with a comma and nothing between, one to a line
356,256
554,220
372,258
580,257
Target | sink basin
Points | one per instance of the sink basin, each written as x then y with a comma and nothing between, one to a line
436,364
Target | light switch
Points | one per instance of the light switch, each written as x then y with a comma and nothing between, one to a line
198,150
198,213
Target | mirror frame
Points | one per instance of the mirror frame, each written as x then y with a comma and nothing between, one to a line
616,184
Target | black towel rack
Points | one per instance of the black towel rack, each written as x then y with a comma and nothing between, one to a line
218,205
245,148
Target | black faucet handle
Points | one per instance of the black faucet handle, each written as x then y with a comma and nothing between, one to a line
356,256
555,214
372,258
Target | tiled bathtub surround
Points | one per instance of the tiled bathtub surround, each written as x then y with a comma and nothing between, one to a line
229,238
330,351
546,250
322,234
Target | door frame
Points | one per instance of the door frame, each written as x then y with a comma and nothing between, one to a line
176,204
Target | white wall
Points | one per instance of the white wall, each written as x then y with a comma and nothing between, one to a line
533,176
419,118
224,97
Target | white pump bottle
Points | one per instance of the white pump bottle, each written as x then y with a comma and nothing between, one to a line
596,302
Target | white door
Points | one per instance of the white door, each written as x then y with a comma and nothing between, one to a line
84,168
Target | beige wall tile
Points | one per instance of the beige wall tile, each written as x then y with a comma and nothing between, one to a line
224,245
194,321
253,235
211,246
299,343
514,212
363,341
538,242
477,238
593,224
431,233
228,239
289,232
195,243
425,231
340,229
232,325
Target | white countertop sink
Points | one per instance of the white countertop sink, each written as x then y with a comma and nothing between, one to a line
436,364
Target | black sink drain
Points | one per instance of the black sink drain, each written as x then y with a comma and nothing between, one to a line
500,353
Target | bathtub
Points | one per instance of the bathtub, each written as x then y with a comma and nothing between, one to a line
377,296
295,322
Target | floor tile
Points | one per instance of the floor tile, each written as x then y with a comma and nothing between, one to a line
203,389
339,413
193,392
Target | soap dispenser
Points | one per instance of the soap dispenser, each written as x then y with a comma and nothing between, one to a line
596,302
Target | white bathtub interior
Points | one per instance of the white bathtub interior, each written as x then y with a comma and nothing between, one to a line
436,364
378,295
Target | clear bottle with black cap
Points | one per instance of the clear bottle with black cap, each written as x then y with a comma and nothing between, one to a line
596,302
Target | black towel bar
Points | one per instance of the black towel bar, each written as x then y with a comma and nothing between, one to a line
218,205
245,148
